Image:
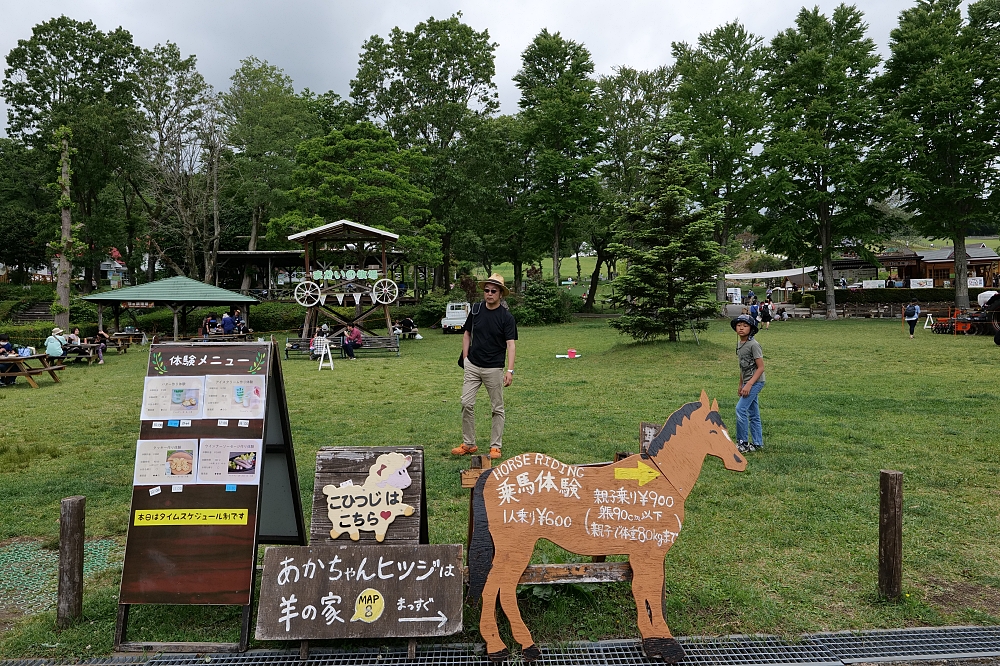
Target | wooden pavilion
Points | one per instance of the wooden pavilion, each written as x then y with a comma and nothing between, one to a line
353,244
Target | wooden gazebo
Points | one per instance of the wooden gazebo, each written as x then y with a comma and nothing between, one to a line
369,289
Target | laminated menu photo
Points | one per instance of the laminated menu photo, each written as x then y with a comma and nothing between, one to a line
230,461
165,462
235,397
173,398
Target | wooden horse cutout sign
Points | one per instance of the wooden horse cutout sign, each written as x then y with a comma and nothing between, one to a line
633,507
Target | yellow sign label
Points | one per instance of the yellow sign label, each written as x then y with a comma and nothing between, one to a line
191,517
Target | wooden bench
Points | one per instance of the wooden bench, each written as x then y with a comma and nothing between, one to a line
297,346
373,344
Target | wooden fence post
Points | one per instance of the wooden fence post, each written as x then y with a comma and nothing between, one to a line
72,517
890,534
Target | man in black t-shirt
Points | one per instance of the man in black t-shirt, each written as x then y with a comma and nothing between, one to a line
490,332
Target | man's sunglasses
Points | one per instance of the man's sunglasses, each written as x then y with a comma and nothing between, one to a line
491,291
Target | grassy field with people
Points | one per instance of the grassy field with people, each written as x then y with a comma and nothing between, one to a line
788,546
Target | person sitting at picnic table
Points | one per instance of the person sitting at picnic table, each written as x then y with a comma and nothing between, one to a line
407,327
54,344
352,341
228,324
101,340
74,337
7,349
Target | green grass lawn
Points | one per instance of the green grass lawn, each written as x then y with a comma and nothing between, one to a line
789,546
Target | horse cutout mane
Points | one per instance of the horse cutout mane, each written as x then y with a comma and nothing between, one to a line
675,421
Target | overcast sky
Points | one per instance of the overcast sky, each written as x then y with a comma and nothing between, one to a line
317,42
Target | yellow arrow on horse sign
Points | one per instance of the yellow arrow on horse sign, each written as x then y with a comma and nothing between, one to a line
642,473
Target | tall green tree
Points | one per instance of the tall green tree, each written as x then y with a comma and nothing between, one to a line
940,93
178,185
264,122
361,174
28,220
491,169
70,74
427,86
672,260
562,130
820,186
719,109
631,105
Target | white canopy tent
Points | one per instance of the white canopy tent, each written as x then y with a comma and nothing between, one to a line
771,274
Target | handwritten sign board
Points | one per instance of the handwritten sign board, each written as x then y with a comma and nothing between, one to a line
634,506
382,515
360,591
214,455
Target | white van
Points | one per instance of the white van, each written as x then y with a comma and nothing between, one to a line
454,318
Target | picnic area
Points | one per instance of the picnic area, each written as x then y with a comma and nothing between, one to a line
787,547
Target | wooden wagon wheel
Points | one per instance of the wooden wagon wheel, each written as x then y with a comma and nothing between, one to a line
307,294
385,291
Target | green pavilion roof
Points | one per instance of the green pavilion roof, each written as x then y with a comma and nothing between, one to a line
178,290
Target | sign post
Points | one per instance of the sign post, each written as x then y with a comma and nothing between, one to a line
214,476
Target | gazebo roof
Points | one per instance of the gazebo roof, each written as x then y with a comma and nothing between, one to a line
343,230
175,291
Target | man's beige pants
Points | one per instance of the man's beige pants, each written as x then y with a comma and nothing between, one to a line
492,379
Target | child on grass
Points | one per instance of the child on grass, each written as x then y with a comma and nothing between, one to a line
749,433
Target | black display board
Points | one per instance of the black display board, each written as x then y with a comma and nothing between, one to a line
214,477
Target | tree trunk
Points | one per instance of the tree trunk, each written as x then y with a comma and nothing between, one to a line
579,271
828,284
595,278
961,272
212,250
720,289
518,277
443,278
555,255
825,238
251,246
65,266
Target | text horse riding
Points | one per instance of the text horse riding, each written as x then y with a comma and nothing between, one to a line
633,507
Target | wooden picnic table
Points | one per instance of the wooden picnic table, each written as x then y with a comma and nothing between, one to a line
83,351
25,369
222,337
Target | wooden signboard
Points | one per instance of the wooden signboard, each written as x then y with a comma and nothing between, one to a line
360,591
353,465
214,440
633,506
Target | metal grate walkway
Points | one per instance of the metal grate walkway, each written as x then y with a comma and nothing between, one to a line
826,649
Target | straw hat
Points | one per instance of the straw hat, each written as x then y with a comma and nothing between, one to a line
57,331
496,279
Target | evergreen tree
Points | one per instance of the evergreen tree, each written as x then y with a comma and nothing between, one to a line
672,260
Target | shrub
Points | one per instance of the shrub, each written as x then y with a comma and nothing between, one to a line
543,303
432,306
808,300
796,297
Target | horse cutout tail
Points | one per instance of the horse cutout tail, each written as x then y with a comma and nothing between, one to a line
481,550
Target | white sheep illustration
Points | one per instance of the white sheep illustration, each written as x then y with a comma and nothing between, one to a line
372,506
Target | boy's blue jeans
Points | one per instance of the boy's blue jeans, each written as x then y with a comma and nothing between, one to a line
748,417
